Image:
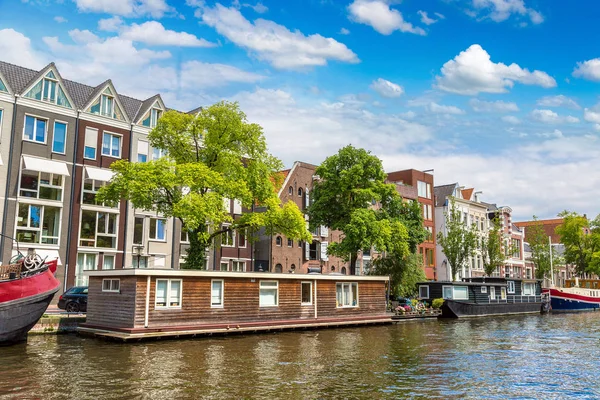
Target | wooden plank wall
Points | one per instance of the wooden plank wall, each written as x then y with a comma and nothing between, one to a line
112,309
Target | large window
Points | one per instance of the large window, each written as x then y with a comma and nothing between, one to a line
41,185
528,289
306,289
90,190
98,229
91,142
151,118
427,212
38,224
238,266
447,292
158,229
111,145
346,294
511,286
85,262
314,250
168,293
228,238
48,89
216,293
35,129
59,138
109,262
461,293
424,189
269,294
138,230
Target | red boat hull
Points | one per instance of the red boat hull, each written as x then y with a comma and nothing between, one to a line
23,302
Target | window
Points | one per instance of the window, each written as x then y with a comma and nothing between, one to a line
59,139
168,293
429,230
242,239
528,289
142,151
111,285
424,291
138,230
290,243
216,293
429,257
158,229
290,190
447,292
492,293
224,266
424,189
427,212
461,293
41,185
300,192
306,289
35,129
48,89
238,266
314,251
90,190
269,294
484,289
511,286
516,248
38,224
111,145
139,261
3,87
158,153
278,241
91,141
85,262
109,262
278,268
346,294
98,229
228,238
151,118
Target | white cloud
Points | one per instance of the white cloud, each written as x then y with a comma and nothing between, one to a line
493,106
129,8
205,75
550,117
425,19
83,37
259,8
501,10
154,33
275,43
112,24
408,115
386,88
16,48
344,31
60,20
554,134
558,101
591,115
472,72
511,119
379,15
442,109
589,70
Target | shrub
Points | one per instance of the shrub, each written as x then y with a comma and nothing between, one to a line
437,303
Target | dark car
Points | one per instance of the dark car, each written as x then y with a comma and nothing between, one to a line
74,299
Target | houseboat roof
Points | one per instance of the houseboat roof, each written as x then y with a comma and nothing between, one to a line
225,274
501,279
460,283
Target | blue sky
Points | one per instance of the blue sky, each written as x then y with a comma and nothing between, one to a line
500,95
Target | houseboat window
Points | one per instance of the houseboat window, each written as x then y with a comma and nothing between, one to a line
461,293
528,289
484,289
347,295
168,293
447,292
424,291
492,293
111,285
306,293
503,293
269,294
511,286
216,293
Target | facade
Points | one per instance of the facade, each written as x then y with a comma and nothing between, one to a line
514,242
418,186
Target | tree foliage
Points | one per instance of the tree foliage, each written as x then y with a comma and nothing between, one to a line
350,195
492,248
404,273
540,249
458,240
212,157
581,239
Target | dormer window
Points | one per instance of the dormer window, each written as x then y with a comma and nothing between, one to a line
48,89
3,87
152,117
106,106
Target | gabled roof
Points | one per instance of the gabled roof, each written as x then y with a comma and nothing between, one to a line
145,106
195,110
131,106
79,92
17,77
443,192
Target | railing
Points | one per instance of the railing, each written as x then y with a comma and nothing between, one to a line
7,270
517,299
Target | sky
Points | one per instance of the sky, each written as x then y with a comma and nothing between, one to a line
499,95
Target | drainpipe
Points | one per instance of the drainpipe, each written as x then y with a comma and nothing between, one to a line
72,201
173,246
147,302
10,158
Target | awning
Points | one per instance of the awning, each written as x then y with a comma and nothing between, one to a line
45,165
49,255
98,174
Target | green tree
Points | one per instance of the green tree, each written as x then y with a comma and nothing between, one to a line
350,195
405,273
540,249
492,248
581,239
212,157
458,240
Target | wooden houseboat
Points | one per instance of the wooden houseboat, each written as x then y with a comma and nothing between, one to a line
144,303
478,297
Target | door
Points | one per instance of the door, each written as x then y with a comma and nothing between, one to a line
503,293
492,293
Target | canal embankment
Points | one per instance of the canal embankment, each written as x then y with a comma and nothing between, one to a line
58,323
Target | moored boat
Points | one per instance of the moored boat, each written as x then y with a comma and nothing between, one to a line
26,289
577,295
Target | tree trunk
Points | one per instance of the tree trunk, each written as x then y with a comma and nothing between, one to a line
353,259
196,253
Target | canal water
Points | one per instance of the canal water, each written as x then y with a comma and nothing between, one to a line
538,356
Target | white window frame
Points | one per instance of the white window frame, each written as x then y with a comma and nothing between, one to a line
461,298
426,287
111,288
104,102
222,297
94,192
155,221
290,243
444,288
226,235
40,229
502,293
492,293
35,129
484,289
226,263
66,124
112,235
310,302
261,288
343,285
80,279
111,134
510,287
235,266
95,144
161,154
529,285
40,185
168,294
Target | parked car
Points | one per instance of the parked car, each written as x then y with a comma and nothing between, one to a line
74,299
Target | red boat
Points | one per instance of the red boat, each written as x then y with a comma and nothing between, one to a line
26,289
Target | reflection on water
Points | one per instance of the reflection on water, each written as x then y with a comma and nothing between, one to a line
553,356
